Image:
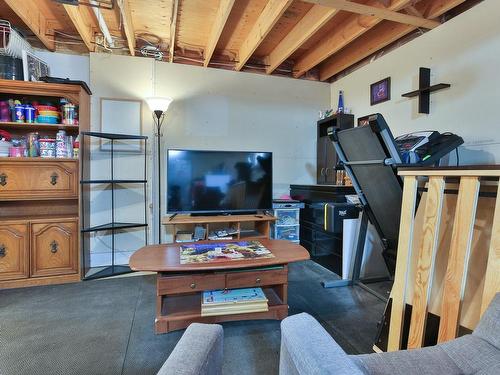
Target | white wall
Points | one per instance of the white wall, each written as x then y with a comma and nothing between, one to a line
215,110
63,65
464,52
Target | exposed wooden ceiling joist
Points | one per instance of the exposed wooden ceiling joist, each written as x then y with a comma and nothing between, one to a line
29,12
82,23
173,28
379,37
344,34
322,37
223,12
315,18
379,12
128,26
267,19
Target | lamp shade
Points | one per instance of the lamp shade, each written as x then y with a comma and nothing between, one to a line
158,103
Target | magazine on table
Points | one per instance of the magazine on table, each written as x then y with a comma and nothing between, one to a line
223,251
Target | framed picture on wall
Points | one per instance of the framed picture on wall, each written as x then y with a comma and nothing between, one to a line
121,116
380,91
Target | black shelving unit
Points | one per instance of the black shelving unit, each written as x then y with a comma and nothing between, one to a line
112,226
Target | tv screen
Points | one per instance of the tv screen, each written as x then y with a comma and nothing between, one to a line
218,181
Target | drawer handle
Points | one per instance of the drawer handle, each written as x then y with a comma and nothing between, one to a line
192,286
257,280
3,251
53,179
54,247
3,179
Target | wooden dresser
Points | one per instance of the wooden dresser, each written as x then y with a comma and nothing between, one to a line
40,197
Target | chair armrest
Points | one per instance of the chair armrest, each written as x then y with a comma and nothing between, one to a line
198,352
489,326
307,349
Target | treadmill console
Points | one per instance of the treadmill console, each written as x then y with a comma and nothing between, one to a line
423,148
427,147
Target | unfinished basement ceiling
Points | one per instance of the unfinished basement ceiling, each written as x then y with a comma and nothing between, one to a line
308,39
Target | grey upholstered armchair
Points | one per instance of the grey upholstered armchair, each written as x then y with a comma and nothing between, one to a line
307,349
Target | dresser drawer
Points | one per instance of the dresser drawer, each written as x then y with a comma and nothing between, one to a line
249,279
190,283
14,258
54,248
38,179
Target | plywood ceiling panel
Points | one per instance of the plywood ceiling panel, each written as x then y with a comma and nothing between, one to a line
195,21
290,18
152,17
240,22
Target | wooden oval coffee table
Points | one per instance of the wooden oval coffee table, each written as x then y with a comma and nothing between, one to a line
179,286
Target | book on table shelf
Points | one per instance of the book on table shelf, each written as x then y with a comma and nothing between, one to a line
233,301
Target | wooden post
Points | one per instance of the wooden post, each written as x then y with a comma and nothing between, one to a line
404,255
458,258
426,261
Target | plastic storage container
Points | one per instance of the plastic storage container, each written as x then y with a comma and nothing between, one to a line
290,233
286,226
287,216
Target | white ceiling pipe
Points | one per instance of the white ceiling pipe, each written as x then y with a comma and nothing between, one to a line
102,23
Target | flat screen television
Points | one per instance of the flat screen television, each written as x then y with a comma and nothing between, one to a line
218,181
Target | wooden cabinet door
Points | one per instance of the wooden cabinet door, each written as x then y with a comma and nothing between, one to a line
38,179
326,161
54,248
14,251
331,162
321,149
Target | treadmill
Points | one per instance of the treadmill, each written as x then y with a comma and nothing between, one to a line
371,155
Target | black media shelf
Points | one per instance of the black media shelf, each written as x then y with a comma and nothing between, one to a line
87,183
114,136
113,181
113,226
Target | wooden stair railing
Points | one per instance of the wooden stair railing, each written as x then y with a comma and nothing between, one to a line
416,261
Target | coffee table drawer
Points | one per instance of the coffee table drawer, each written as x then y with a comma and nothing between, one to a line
190,283
256,278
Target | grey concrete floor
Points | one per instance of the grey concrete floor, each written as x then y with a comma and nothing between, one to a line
106,326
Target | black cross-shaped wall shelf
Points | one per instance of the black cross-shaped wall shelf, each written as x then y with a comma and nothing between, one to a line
424,90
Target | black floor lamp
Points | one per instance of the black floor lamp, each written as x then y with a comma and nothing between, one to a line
159,107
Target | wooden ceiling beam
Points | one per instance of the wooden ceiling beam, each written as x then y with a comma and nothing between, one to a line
271,13
379,12
128,26
32,16
343,34
173,29
82,25
380,37
314,19
221,16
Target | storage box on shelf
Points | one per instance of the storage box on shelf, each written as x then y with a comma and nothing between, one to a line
40,197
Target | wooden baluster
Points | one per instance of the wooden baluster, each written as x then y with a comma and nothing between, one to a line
458,258
404,255
492,278
426,261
